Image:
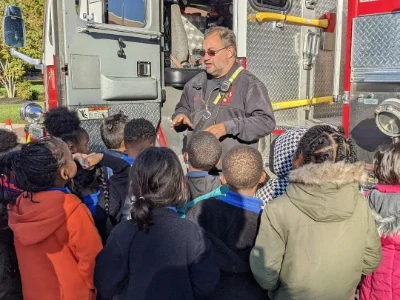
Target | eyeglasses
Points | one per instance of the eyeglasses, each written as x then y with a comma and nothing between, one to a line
203,52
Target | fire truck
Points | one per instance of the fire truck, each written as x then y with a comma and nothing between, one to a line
323,61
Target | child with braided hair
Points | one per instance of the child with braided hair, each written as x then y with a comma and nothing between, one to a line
103,196
317,240
55,238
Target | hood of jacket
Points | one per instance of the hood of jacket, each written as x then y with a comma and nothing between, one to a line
284,147
201,183
385,203
326,192
34,221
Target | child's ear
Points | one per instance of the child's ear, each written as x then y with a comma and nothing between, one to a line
223,179
264,177
64,173
298,161
72,147
122,146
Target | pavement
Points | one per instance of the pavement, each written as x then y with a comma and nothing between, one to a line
18,129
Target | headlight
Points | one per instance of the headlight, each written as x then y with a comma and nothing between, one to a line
387,117
31,112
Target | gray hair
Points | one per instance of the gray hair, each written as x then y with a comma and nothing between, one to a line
227,36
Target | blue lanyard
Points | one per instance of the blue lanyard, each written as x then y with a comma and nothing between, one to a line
64,190
172,208
242,202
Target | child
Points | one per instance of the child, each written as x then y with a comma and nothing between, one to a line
104,199
231,222
156,255
384,201
139,134
10,281
55,238
65,124
281,163
204,152
112,134
317,240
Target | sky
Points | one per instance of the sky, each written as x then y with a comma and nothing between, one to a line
134,9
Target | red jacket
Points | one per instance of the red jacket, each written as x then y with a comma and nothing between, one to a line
56,244
384,282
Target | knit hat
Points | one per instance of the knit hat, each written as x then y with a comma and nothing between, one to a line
281,163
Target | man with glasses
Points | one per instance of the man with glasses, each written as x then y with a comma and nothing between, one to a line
226,100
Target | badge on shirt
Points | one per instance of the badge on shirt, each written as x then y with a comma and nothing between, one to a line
228,97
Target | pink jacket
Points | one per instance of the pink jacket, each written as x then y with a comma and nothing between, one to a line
384,282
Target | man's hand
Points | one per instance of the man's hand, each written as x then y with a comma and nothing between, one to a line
181,119
218,130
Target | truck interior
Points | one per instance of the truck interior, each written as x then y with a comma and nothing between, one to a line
184,26
185,23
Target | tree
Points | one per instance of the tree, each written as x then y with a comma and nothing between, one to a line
11,68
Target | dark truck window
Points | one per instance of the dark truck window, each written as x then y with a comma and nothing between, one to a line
130,13
262,5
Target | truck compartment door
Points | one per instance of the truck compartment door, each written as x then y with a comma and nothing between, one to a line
112,51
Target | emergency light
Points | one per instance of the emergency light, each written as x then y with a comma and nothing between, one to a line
387,118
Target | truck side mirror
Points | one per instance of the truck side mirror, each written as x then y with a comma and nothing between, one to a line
13,27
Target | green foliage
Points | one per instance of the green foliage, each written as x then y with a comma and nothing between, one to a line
24,90
37,91
11,68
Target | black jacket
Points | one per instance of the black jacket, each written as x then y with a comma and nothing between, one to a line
233,232
10,281
117,191
172,261
245,110
201,183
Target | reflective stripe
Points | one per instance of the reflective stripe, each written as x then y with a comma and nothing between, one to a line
231,79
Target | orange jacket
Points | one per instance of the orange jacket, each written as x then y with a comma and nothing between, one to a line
56,244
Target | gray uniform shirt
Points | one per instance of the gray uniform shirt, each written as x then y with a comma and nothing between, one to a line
245,109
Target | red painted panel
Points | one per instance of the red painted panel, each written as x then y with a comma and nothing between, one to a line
377,7
162,140
278,131
346,119
51,86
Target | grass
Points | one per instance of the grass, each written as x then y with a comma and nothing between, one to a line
12,111
10,108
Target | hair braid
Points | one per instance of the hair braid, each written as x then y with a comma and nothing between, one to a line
352,151
341,151
77,184
104,186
